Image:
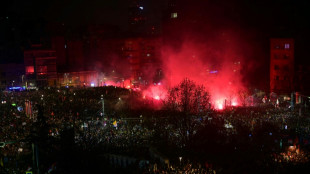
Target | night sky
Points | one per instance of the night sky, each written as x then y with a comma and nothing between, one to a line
257,21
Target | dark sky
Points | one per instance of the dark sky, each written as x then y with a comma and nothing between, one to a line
255,18
77,12
252,13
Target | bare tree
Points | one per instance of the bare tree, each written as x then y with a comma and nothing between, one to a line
187,100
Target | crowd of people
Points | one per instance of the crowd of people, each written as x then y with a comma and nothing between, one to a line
81,110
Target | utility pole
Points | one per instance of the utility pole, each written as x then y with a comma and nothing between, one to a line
292,101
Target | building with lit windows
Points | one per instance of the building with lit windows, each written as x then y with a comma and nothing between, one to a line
40,67
282,65
143,57
79,79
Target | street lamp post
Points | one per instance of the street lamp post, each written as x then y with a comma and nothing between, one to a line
180,158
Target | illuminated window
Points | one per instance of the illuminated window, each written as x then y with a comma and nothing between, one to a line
29,69
287,46
174,15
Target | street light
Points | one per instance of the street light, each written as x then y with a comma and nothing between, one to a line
180,158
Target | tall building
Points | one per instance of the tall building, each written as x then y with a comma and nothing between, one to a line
40,67
58,43
69,53
143,56
281,65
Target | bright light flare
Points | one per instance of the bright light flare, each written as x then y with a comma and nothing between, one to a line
234,104
155,92
157,97
220,106
221,102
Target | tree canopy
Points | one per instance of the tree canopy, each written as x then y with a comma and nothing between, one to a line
188,97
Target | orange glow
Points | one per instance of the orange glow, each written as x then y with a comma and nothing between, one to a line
292,148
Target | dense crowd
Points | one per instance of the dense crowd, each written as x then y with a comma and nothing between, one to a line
81,111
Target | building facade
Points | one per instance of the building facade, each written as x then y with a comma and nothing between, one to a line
143,58
40,67
79,79
282,65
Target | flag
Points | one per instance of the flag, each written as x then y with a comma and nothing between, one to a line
28,108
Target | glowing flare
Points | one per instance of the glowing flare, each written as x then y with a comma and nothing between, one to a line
220,106
155,92
157,97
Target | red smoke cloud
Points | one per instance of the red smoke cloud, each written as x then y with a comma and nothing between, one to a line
156,92
215,64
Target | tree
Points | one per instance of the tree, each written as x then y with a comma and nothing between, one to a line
189,98
185,101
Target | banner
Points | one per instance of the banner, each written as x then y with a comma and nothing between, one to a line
28,108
